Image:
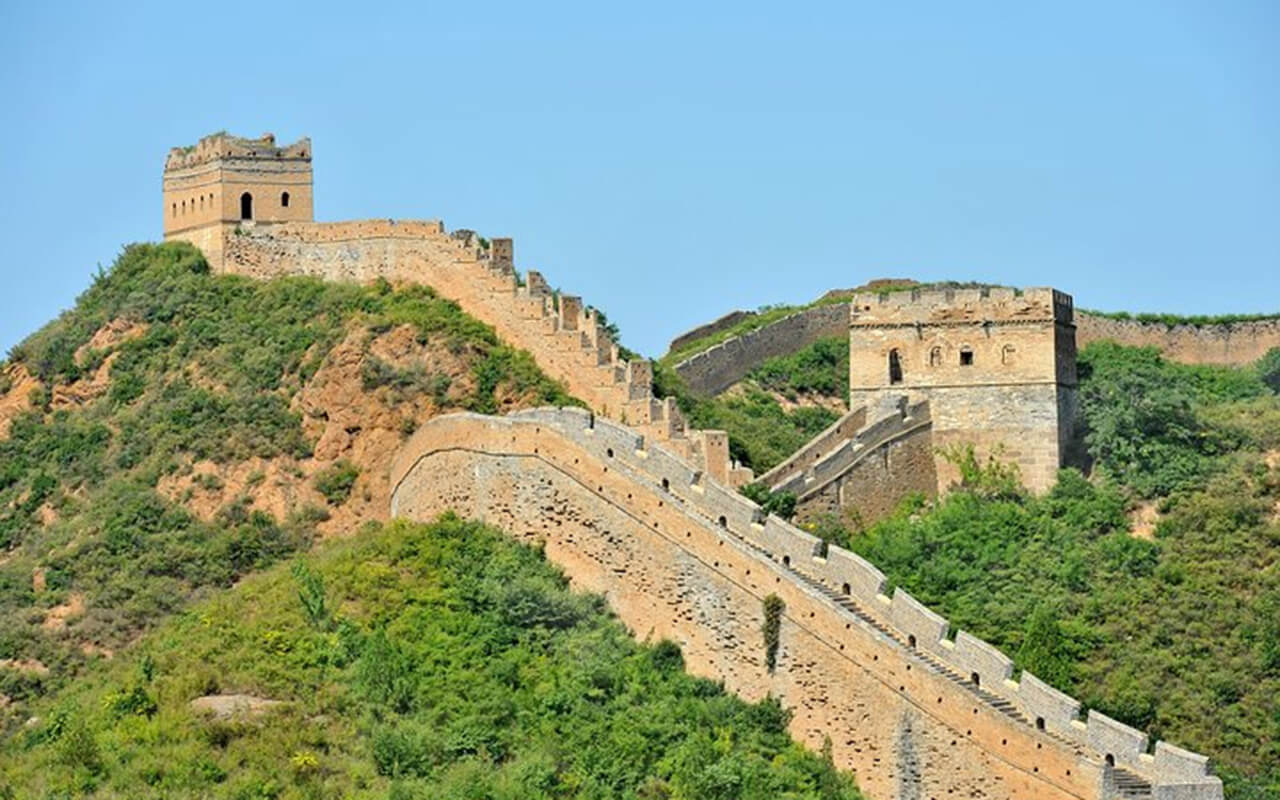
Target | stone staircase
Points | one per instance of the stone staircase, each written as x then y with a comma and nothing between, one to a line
1127,784
1132,781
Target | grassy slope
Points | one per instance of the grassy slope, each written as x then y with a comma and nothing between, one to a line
439,661
213,375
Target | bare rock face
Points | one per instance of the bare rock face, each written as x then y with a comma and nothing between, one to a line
233,706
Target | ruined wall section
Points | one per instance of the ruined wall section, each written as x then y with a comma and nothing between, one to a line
720,366
1235,343
683,557
565,338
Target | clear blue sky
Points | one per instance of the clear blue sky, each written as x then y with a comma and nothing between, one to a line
670,162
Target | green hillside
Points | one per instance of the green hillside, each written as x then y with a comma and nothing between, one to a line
207,377
187,466
416,661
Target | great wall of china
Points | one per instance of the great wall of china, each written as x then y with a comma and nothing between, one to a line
632,504
721,365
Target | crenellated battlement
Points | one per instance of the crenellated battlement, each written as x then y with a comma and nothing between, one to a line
222,145
962,684
960,306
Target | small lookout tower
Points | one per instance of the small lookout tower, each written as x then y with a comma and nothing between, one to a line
224,181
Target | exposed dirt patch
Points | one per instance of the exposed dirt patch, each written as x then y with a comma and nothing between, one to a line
1143,521
275,486
91,649
18,399
28,665
82,391
365,422
233,706
368,395
57,617
109,336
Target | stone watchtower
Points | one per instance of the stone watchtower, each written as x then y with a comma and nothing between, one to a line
225,181
997,366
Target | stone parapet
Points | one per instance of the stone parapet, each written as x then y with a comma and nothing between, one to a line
960,306
838,449
1235,343
904,644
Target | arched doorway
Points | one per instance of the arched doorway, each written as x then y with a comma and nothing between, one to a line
246,206
895,367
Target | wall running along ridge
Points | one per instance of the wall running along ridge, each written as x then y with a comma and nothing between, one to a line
682,557
715,369
722,365
1235,343
564,337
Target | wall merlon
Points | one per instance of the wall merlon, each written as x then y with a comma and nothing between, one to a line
910,616
570,312
1172,763
536,283
1116,739
866,583
971,655
1059,710
502,253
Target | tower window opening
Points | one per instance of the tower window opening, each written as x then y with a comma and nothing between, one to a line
1111,760
977,679
895,367
246,206
966,357
174,210
284,199
935,357
1007,353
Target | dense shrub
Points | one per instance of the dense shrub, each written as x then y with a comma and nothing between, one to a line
426,687
336,481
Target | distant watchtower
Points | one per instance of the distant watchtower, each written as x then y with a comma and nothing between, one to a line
997,366
224,181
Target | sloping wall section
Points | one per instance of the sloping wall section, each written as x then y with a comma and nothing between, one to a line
864,469
564,337
680,556
720,366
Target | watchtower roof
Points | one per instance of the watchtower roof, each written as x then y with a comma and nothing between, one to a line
221,145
